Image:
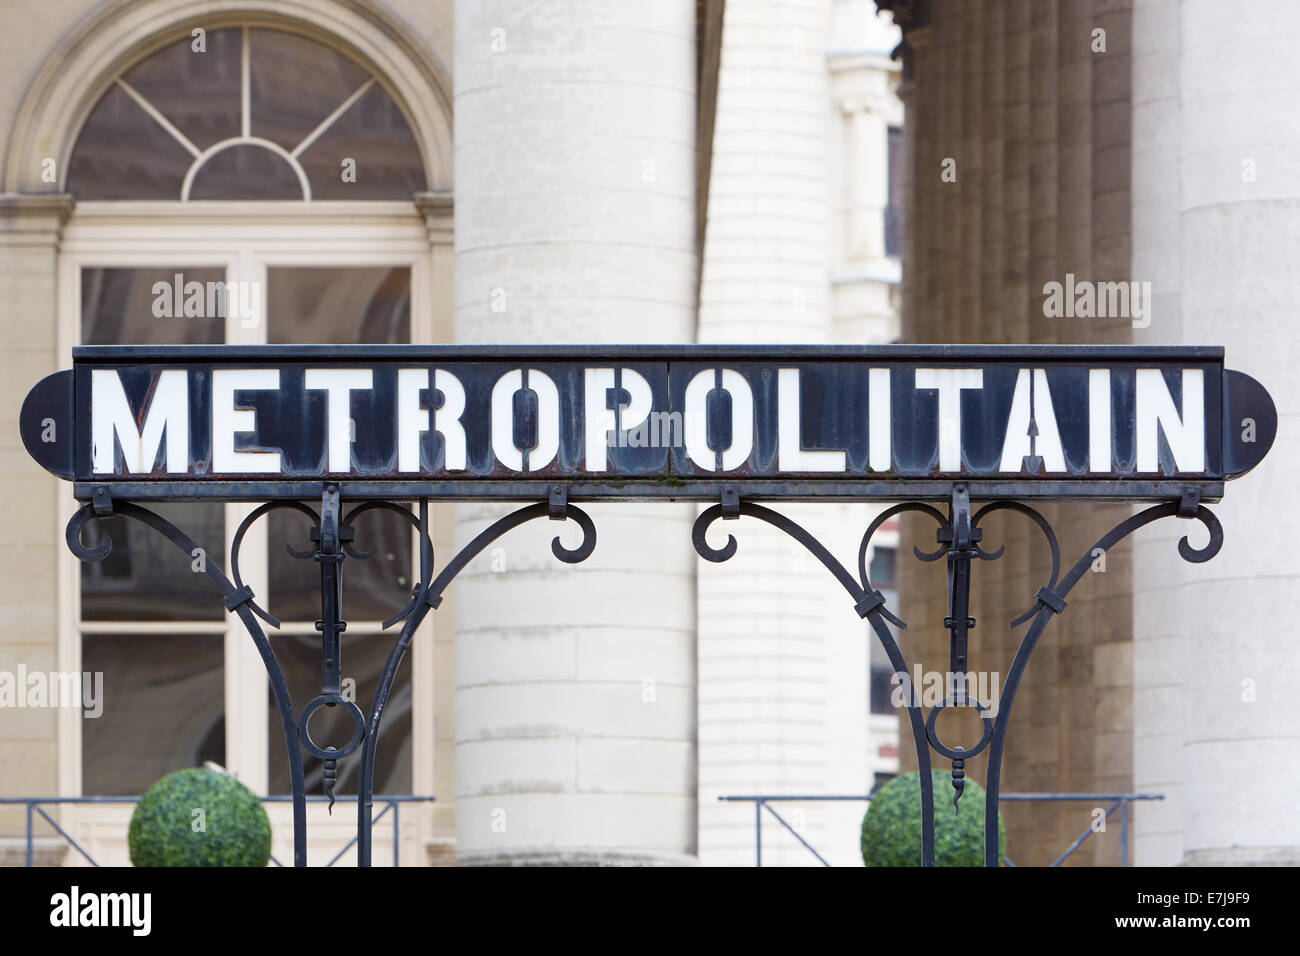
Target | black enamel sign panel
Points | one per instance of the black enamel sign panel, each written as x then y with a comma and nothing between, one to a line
777,422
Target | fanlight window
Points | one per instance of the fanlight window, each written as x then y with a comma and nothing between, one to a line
246,113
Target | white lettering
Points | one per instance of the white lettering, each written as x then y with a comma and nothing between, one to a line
169,411
1019,444
413,421
949,382
742,419
879,424
338,384
600,420
791,455
503,420
227,419
1099,412
1185,431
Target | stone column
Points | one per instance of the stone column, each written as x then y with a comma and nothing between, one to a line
765,616
1158,621
575,222
1217,705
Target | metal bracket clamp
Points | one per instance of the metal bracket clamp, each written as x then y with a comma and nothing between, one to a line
1190,501
558,503
1051,600
730,503
327,534
869,603
102,500
235,598
344,534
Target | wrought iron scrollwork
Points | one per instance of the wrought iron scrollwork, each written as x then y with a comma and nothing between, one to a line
959,534
333,539
238,599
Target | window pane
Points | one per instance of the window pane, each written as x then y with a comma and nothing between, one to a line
883,567
122,153
370,305
163,709
162,305
246,171
198,91
894,210
146,577
363,658
882,690
283,108
375,135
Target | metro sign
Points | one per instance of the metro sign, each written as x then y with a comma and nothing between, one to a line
668,422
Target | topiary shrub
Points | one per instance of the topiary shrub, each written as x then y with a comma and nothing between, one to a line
231,830
891,830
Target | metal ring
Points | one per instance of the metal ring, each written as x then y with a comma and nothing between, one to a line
358,723
937,744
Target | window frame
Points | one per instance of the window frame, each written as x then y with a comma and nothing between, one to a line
244,238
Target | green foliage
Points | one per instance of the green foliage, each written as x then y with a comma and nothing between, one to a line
230,829
891,830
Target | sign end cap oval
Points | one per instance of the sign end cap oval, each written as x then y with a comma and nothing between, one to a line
1249,423
46,425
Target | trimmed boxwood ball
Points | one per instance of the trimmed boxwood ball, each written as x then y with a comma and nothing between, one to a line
165,830
891,830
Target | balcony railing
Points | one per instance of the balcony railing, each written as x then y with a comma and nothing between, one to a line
1119,801
34,807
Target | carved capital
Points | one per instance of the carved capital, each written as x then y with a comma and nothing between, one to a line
908,15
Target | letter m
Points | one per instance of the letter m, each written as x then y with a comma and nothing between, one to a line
116,904
665,429
1112,300
168,412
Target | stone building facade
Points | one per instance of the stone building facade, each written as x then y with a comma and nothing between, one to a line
1146,141
569,171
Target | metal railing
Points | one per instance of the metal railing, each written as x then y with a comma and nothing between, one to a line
34,806
1120,802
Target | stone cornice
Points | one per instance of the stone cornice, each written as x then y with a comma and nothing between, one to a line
33,218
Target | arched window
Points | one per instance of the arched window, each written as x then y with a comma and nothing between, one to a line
246,113
281,170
